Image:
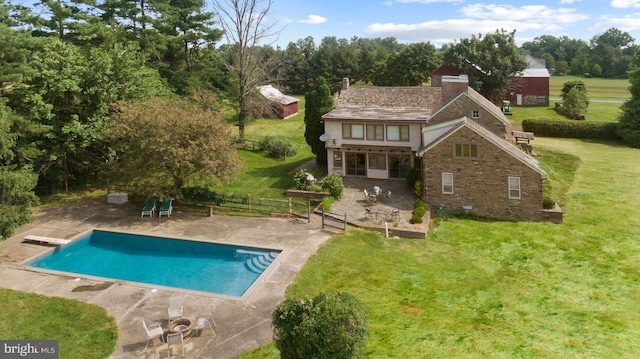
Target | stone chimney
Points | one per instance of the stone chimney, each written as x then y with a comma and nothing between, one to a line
453,85
345,83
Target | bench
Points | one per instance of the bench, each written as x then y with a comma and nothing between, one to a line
46,240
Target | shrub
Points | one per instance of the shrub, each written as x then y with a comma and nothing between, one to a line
331,325
202,194
548,202
277,147
572,129
417,189
327,202
301,182
419,210
332,183
415,219
413,175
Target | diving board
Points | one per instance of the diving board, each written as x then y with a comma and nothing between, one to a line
46,240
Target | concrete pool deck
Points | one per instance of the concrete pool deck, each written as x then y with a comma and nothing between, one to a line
242,323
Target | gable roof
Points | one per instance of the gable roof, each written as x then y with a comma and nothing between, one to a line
386,103
433,135
480,100
273,94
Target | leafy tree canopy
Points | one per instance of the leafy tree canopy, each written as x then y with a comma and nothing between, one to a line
630,116
317,103
159,145
491,61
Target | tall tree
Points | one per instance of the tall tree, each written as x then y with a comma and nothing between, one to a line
629,128
613,52
246,27
160,144
491,61
16,184
317,103
412,66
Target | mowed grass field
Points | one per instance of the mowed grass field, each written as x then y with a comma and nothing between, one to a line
605,95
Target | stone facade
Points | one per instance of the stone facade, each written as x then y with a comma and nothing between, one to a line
464,105
481,183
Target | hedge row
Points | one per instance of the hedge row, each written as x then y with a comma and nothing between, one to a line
572,129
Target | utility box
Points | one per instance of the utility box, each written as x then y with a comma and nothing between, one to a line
117,198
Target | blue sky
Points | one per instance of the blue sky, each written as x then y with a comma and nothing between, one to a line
443,21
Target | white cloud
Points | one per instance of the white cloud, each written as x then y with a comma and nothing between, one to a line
626,23
624,4
447,31
534,13
427,1
568,2
481,19
313,20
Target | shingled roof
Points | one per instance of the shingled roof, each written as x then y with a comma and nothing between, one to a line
273,94
388,103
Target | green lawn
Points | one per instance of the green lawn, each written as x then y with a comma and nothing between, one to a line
597,88
494,289
83,330
264,176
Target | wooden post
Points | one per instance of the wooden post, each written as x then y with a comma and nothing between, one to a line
345,223
290,208
322,217
309,212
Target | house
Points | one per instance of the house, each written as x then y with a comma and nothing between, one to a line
531,87
460,137
276,104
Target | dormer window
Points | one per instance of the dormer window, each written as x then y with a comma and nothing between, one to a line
475,114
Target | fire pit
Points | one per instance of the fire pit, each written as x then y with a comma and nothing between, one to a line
182,325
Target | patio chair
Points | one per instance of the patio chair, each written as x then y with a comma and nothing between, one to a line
172,339
207,321
149,208
371,198
153,331
166,208
175,308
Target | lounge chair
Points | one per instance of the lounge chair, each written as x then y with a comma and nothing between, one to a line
149,208
175,308
166,208
153,331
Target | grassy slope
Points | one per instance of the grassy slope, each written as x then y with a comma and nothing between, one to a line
597,88
490,289
82,330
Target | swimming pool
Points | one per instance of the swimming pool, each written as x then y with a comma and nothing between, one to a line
194,265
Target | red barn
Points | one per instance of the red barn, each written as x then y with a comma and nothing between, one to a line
532,87
276,104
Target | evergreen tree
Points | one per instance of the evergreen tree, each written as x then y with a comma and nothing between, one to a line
630,116
317,103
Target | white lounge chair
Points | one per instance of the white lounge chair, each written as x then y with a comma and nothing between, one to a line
153,331
175,308
166,208
149,208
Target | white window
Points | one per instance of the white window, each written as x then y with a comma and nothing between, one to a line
377,161
514,188
397,133
447,182
475,114
353,131
375,132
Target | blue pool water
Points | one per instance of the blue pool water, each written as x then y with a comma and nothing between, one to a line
201,266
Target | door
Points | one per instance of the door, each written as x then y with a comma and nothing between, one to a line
356,164
519,99
399,165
